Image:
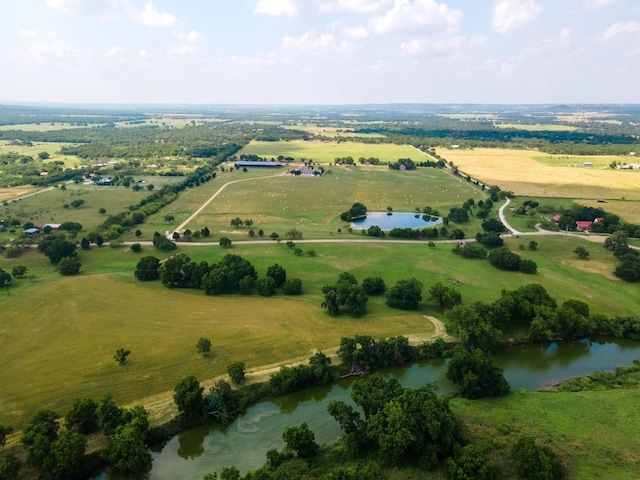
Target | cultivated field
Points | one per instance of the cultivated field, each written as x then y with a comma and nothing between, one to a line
535,174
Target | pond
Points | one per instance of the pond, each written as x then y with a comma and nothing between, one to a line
244,443
387,222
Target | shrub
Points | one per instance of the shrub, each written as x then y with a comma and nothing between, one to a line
373,286
504,259
292,287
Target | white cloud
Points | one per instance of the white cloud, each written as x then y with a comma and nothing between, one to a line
357,6
189,44
55,51
590,4
433,46
154,18
619,29
93,8
260,63
565,32
418,16
510,15
309,42
355,32
116,52
276,7
325,44
25,32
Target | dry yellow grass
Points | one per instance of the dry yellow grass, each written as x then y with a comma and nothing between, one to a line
536,174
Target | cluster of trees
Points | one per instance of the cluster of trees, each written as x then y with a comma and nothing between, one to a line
504,259
629,268
357,210
60,453
403,164
532,309
233,274
608,223
369,161
238,222
345,294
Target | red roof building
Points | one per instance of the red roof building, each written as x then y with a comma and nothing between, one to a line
583,225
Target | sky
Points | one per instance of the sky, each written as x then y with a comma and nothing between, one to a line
329,52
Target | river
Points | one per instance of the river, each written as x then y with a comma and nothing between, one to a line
244,443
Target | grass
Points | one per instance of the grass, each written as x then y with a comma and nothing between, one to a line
59,334
313,204
327,152
531,173
537,127
598,439
332,131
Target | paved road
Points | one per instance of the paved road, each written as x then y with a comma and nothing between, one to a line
513,231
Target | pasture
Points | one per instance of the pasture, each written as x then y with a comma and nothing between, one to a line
59,334
52,148
598,439
534,174
48,206
327,152
313,205
333,132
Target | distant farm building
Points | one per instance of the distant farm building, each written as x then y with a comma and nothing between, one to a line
32,231
249,164
54,226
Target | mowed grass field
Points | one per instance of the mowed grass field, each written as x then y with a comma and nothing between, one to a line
52,148
594,433
533,173
327,152
48,206
313,205
58,334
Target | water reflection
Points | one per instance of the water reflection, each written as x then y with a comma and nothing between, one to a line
244,442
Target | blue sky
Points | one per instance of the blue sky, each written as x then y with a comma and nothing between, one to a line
320,51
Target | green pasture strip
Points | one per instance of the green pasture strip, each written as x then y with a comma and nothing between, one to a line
313,205
332,131
577,161
594,433
43,126
327,152
48,207
59,334
537,127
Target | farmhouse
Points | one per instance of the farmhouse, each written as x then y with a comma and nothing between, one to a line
583,225
248,164
54,226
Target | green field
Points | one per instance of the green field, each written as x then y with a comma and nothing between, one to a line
313,205
327,152
595,433
59,334
48,206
